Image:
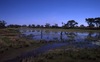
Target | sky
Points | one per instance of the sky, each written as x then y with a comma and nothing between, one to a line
48,11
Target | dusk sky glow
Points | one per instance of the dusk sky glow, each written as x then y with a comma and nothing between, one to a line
48,11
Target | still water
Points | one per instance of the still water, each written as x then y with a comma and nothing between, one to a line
92,38
58,39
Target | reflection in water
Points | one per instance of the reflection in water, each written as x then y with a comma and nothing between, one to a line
33,30
55,32
47,32
96,43
97,36
60,36
38,30
41,34
71,36
92,36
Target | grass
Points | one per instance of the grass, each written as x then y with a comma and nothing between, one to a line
14,42
71,55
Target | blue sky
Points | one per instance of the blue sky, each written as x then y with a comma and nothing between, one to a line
48,11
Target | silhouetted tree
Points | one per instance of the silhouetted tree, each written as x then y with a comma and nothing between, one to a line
55,26
13,26
82,26
30,26
24,25
63,25
42,26
97,22
2,24
33,26
38,26
71,23
47,25
91,22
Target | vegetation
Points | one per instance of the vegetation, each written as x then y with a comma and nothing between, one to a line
93,23
71,24
2,24
10,40
68,55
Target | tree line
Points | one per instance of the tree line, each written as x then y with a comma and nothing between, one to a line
93,23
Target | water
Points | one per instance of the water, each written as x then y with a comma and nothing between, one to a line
61,36
58,38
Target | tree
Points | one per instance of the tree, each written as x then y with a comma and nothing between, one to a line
55,26
91,22
2,24
24,25
38,26
63,25
13,26
97,22
42,26
29,26
33,26
47,25
71,23
82,26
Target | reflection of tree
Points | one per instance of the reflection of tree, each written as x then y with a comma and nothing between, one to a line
55,39
97,36
91,36
24,31
61,36
41,34
33,30
47,31
55,32
54,35
30,36
30,31
38,30
71,35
